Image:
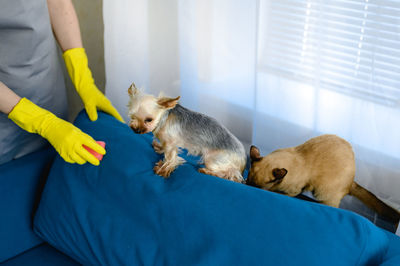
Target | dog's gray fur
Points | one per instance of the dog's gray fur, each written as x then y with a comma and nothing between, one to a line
205,131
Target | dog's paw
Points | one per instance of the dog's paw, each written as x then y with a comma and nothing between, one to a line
157,167
237,179
157,147
222,174
162,169
206,171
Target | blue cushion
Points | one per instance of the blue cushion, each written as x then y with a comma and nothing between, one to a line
42,255
121,213
21,182
392,256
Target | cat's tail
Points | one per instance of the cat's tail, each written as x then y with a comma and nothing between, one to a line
374,203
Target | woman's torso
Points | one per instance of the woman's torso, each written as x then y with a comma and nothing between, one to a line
30,66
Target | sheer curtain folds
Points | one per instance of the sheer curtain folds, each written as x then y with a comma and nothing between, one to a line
276,73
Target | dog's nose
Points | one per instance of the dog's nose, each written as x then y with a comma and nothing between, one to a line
136,130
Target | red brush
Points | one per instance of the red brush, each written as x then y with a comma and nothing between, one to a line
96,154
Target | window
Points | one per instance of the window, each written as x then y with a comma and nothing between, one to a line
348,46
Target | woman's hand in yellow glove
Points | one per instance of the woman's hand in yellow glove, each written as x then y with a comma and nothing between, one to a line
77,65
62,135
94,99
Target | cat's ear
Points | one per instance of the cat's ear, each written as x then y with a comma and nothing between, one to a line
255,154
279,173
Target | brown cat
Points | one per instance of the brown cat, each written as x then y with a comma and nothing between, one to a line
324,165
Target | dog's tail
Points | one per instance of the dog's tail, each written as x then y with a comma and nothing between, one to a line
374,203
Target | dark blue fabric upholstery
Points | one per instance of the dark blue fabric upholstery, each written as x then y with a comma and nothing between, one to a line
121,213
21,182
42,255
392,256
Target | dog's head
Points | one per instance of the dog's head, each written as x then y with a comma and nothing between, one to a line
145,111
265,172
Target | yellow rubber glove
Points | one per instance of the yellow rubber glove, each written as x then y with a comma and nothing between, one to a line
62,135
77,65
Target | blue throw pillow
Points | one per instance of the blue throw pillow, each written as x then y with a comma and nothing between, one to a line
121,213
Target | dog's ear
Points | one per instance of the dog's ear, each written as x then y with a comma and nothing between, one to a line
279,173
168,103
133,90
255,154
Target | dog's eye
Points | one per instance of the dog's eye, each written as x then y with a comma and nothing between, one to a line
148,120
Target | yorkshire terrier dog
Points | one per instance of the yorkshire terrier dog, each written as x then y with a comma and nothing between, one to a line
176,127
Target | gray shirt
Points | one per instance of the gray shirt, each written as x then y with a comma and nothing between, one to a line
29,65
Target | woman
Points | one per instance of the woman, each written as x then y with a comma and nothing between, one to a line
32,89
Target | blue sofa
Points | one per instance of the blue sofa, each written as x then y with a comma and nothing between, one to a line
22,182
121,213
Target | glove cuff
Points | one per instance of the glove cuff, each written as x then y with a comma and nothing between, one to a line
29,116
76,62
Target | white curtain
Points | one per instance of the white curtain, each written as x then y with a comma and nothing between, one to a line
276,73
